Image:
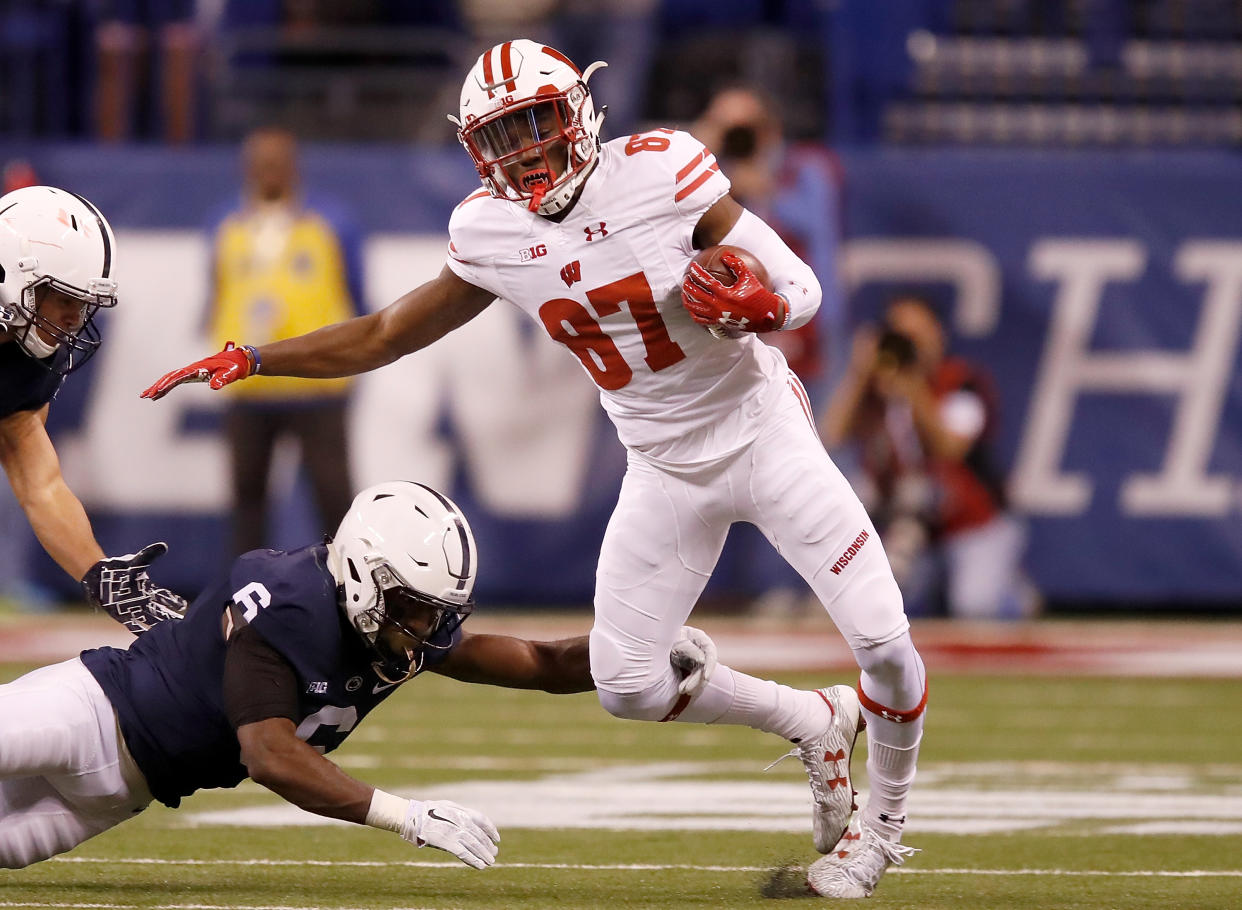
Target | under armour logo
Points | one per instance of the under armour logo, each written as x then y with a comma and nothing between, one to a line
729,322
591,232
571,273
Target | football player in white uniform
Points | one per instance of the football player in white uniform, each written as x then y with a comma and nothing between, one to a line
595,242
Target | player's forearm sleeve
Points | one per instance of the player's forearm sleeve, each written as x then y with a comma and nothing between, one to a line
791,277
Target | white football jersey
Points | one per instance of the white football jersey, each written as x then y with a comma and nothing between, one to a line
606,283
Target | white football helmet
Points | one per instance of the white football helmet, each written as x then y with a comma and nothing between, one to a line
528,123
404,559
52,237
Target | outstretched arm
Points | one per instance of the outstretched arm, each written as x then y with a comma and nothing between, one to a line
275,758
56,515
119,586
413,321
515,663
356,345
261,694
565,665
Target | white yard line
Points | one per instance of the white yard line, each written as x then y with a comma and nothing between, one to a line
95,906
613,867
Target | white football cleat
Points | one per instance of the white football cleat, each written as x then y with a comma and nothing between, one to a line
855,867
826,759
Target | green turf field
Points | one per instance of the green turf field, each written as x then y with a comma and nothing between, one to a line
1033,793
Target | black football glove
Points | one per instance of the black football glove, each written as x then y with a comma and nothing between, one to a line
120,586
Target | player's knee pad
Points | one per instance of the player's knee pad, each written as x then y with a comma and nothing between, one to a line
892,674
630,682
620,668
652,703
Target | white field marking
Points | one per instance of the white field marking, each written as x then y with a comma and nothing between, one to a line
674,796
93,906
1050,768
612,867
1217,829
479,763
474,736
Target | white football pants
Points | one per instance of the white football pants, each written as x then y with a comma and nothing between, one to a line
668,529
65,774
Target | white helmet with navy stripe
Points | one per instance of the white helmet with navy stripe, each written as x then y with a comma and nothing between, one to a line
522,99
52,237
404,559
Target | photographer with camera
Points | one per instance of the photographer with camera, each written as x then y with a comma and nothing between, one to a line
792,186
923,423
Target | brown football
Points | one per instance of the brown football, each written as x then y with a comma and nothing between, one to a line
710,260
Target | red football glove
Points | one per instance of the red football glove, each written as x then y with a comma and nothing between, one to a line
745,305
218,370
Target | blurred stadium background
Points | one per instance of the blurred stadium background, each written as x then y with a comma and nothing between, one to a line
1063,176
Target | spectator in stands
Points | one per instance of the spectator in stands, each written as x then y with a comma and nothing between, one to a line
793,188
144,44
924,422
18,173
280,269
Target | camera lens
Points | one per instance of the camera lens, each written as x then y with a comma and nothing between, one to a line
897,347
739,142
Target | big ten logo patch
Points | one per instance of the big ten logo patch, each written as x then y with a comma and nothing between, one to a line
532,252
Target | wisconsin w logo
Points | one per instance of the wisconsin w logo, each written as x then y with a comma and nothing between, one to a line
571,273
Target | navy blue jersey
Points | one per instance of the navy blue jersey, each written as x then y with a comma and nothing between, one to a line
25,383
168,687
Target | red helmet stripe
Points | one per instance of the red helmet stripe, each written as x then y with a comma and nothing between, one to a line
506,66
557,55
487,73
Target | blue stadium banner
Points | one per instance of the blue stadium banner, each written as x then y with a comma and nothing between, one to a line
1103,291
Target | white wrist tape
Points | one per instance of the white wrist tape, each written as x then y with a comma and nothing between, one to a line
387,812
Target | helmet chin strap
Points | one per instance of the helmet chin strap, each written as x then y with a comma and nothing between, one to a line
415,663
39,348
30,338
23,317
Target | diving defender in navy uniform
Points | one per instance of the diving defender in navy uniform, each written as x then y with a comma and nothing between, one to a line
57,259
271,668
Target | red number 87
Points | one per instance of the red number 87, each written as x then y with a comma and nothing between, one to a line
570,323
